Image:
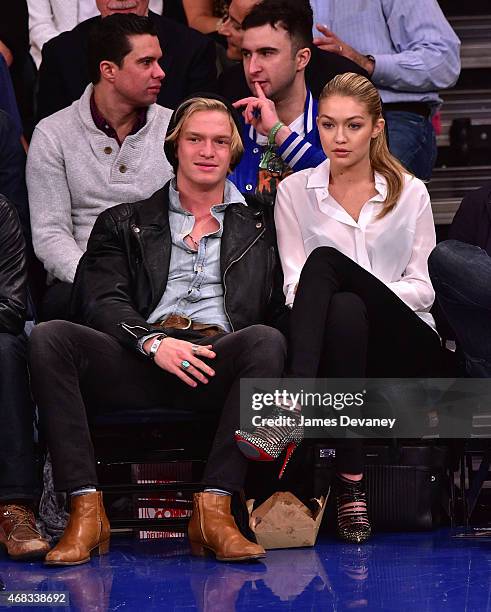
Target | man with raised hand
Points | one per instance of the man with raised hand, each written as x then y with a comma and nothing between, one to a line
410,52
282,135
323,65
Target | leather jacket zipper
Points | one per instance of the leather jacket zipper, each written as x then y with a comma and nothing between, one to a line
271,257
137,233
128,328
228,268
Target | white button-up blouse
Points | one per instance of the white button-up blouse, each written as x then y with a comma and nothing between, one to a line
394,248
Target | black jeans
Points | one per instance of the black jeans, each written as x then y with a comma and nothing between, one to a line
76,369
18,469
346,323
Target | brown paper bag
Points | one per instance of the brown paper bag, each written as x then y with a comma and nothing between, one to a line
283,521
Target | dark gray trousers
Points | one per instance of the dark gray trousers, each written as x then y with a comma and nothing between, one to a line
77,370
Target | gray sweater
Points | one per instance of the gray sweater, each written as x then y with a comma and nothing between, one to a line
74,172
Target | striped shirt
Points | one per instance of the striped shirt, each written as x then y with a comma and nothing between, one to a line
415,49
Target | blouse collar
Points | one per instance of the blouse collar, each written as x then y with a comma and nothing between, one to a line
319,179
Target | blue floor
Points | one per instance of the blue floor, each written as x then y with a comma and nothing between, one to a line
410,572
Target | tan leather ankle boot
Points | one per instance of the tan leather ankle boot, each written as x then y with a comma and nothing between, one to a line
212,528
87,530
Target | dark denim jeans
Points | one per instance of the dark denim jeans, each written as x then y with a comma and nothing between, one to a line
461,275
18,473
412,140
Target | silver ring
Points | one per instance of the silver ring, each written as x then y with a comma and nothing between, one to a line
185,364
194,349
340,48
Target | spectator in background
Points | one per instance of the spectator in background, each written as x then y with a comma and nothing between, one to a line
460,269
410,51
48,18
14,47
323,66
14,36
204,15
8,101
12,171
13,187
188,60
19,479
282,136
104,149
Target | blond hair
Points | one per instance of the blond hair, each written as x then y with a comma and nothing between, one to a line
356,86
194,105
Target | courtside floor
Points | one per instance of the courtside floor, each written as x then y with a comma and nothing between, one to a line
412,572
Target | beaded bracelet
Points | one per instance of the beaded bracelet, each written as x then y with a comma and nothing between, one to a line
273,131
268,154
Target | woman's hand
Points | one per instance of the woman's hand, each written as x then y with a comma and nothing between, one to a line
173,352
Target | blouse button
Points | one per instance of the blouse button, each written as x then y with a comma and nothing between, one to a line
123,168
248,187
108,150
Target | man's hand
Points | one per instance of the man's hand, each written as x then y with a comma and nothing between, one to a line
330,42
259,111
172,352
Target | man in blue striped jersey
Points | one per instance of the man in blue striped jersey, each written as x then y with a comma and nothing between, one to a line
281,135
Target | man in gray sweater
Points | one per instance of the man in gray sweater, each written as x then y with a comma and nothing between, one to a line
104,149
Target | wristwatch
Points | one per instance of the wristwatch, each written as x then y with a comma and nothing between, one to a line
370,65
154,347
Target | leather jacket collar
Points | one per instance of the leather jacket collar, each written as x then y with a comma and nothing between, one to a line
151,230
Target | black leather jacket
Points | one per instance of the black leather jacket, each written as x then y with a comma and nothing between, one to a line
13,272
123,274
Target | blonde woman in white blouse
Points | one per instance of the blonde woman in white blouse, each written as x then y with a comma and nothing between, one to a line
354,236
